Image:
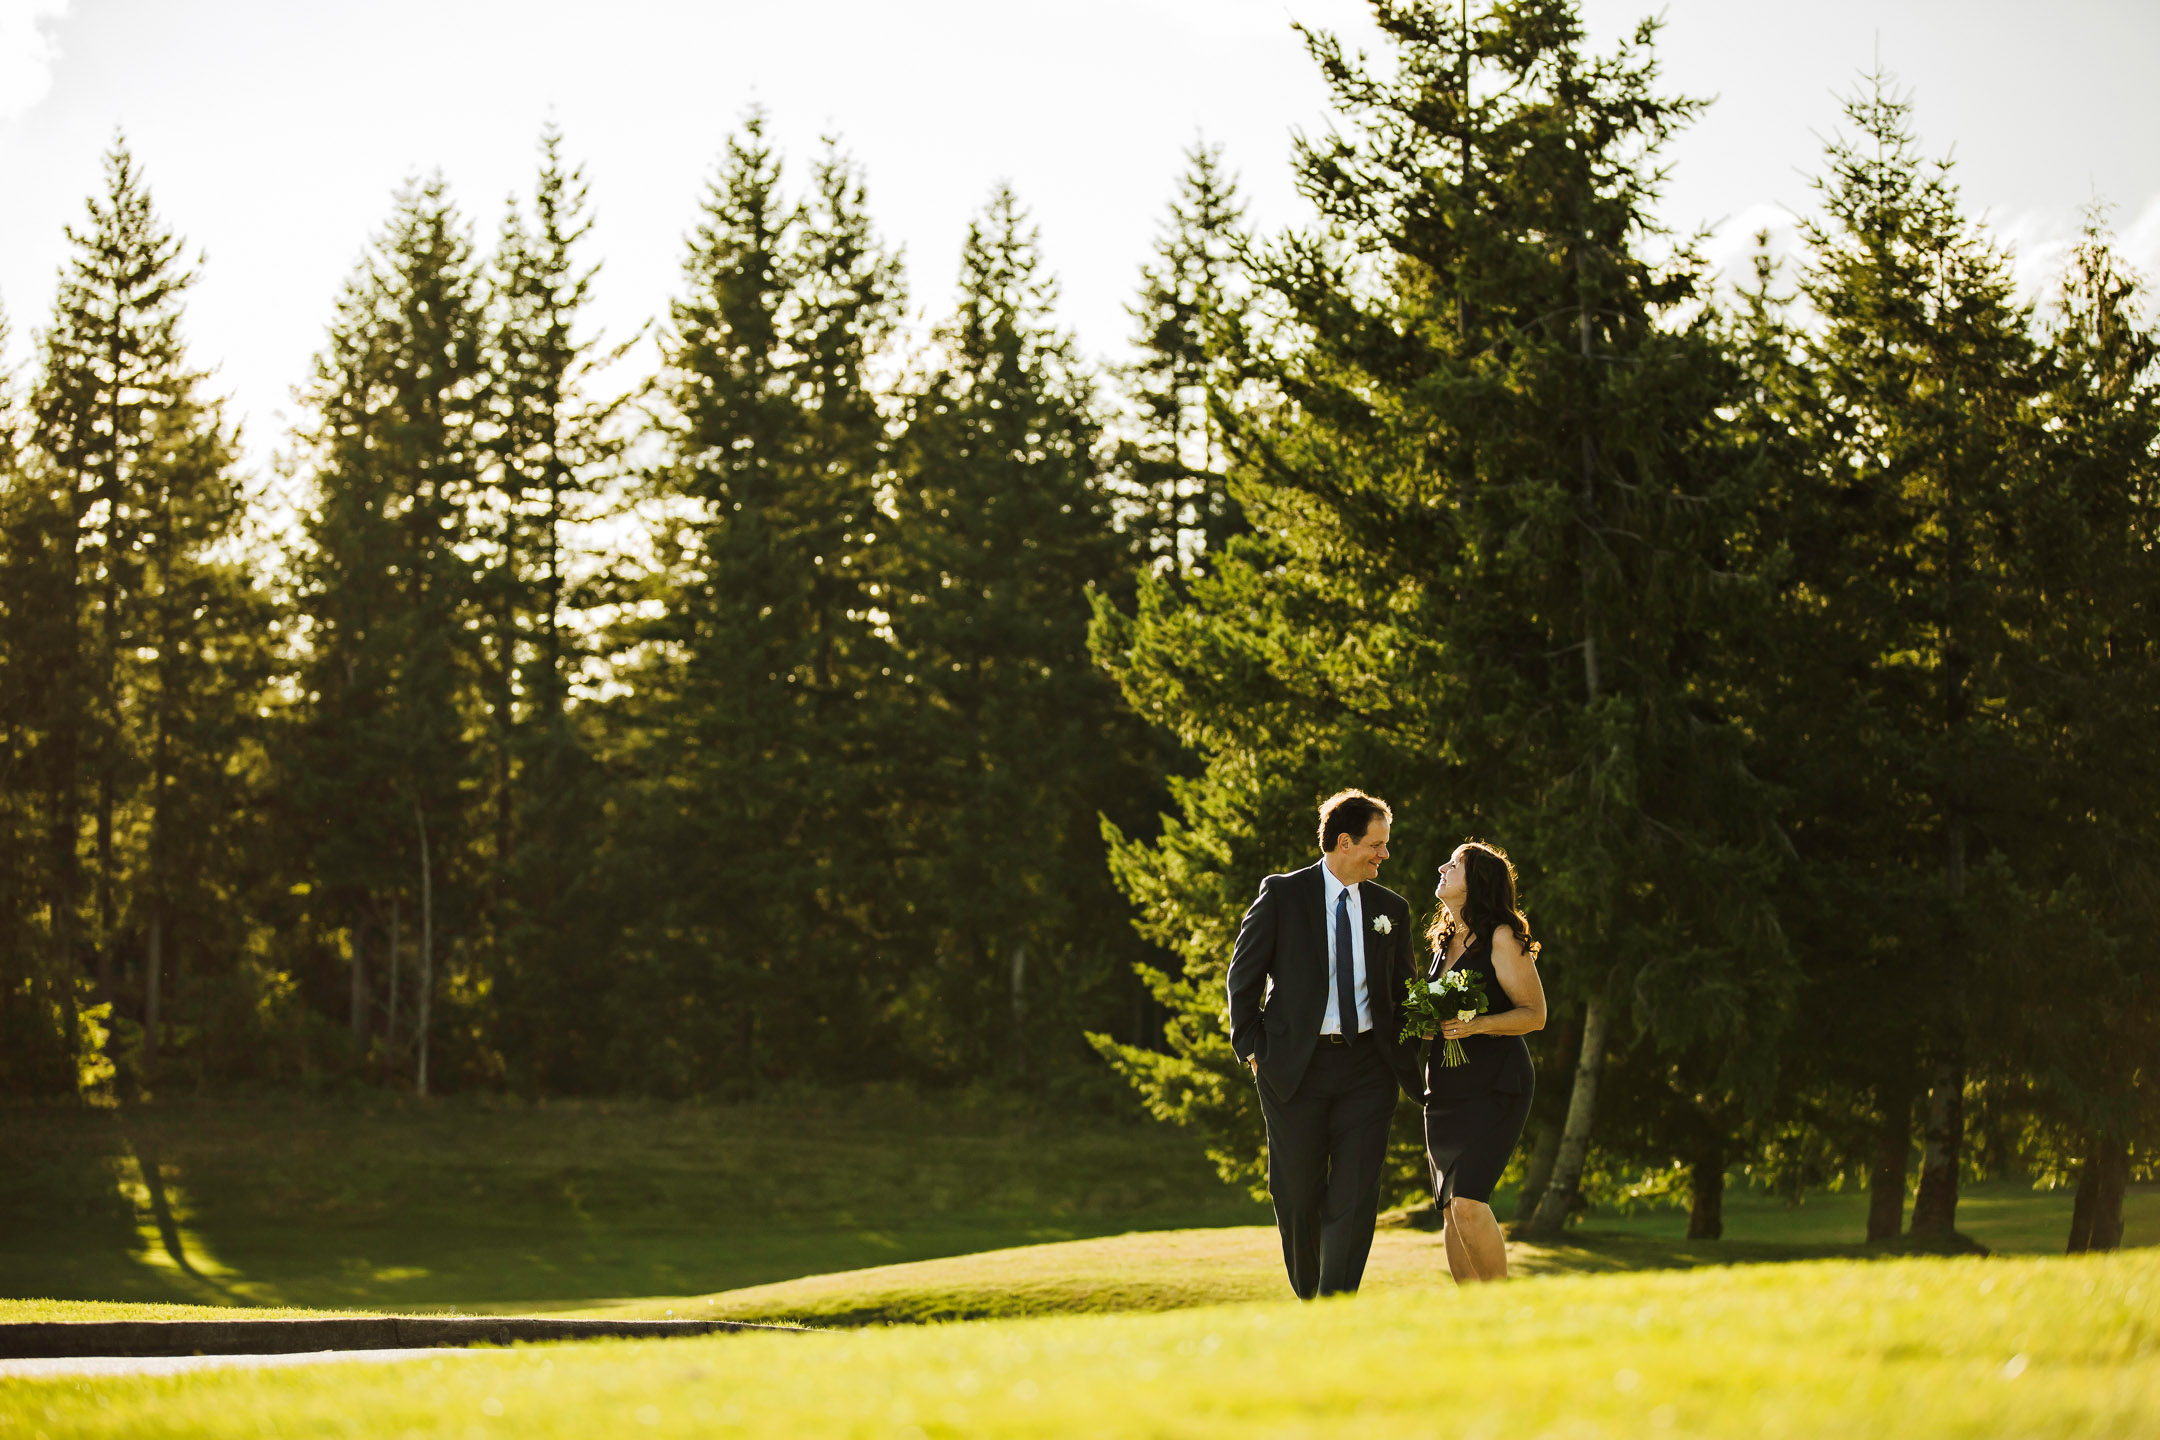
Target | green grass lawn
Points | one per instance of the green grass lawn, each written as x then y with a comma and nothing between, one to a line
1172,1269
1160,1270
2007,1216
495,1205
827,1210
1913,1349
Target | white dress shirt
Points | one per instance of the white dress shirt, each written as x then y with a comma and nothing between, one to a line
1331,1019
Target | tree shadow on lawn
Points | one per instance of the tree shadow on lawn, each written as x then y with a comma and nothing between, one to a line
480,1204
498,1206
1589,1251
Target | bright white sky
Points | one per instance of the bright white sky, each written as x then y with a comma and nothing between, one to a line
273,131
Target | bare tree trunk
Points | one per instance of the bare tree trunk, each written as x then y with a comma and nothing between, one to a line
2081,1209
1588,518
104,891
1545,1130
1934,1210
1706,1187
1893,1148
396,945
427,944
2096,1216
1537,1170
153,979
2107,1223
359,988
1019,1006
1550,1218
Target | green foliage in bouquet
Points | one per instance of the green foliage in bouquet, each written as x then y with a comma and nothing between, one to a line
1429,1003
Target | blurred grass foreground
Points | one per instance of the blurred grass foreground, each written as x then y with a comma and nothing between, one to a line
1911,1348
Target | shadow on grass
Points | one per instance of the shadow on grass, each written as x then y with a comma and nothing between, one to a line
479,1203
494,1205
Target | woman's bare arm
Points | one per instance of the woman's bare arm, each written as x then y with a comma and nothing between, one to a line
1517,970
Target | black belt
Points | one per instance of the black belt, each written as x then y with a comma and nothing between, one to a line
1343,1040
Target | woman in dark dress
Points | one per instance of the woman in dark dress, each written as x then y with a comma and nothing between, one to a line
1474,1112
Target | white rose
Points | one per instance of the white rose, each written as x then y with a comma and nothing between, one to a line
1466,1016
1384,925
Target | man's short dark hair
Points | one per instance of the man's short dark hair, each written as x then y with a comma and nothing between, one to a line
1349,812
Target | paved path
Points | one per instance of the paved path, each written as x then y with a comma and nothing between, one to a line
102,1365
185,1339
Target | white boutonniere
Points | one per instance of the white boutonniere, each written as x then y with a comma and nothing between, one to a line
1384,925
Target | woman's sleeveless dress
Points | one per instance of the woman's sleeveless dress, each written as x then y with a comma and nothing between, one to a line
1475,1111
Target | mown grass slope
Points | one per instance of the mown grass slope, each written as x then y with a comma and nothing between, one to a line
1171,1269
1913,1349
1159,1270
827,1209
478,1203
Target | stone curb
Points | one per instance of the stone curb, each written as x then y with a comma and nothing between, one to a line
58,1339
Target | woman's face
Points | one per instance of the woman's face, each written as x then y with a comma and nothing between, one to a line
1454,886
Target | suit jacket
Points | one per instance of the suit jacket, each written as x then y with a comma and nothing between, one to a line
1279,978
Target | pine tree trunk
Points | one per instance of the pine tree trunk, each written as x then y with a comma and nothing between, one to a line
1537,1170
2081,1209
427,945
2107,1221
177,994
1545,1133
2096,1215
64,792
104,894
1019,1008
153,980
62,908
505,739
1934,1210
1588,518
1549,1221
1893,1150
359,989
390,1031
1706,1191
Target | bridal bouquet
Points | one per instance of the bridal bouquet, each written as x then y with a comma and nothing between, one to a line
1427,1004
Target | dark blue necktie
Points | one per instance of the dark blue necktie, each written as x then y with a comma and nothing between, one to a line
1345,957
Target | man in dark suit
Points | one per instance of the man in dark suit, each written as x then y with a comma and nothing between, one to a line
1316,987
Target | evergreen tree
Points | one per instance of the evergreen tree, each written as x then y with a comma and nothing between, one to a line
2085,590
1910,419
207,657
1005,524
1194,328
43,1033
382,767
137,636
113,366
550,444
848,293
1491,513
758,691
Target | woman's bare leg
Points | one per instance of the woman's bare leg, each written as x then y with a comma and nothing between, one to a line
1472,1228
1458,1255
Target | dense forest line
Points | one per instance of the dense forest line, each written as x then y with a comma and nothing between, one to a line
821,707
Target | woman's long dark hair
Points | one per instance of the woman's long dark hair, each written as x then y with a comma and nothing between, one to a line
1489,903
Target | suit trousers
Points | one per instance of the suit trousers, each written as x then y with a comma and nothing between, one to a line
1325,1147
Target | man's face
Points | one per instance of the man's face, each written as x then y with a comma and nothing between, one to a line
1359,860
